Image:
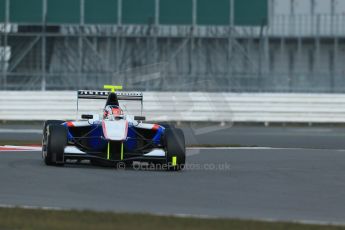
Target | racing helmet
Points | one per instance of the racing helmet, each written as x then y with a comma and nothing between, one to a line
112,111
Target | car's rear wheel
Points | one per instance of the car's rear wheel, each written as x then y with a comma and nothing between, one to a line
175,149
44,136
56,141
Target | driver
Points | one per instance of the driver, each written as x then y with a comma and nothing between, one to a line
112,112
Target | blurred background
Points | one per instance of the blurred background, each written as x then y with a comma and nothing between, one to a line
173,45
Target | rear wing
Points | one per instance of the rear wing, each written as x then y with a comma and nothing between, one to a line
121,96
127,96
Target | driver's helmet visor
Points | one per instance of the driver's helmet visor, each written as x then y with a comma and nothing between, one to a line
116,111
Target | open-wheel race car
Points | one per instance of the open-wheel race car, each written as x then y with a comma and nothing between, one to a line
113,138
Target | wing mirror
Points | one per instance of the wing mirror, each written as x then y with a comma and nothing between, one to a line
139,118
87,116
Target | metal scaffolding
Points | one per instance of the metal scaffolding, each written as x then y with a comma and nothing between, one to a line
295,53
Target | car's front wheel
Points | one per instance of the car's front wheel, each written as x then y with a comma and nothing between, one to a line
175,149
44,137
55,141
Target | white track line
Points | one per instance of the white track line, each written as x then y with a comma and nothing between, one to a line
12,148
234,148
24,147
38,148
35,131
33,207
306,222
256,148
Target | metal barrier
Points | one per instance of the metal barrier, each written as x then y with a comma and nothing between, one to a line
158,106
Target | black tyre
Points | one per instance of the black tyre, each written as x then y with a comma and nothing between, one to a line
44,135
56,141
175,149
51,122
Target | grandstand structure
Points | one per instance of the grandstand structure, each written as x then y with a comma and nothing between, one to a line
171,45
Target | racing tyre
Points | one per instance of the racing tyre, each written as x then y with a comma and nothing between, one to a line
51,122
175,149
44,136
56,141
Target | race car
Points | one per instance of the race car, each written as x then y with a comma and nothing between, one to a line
114,138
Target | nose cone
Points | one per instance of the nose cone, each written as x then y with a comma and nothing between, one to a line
115,130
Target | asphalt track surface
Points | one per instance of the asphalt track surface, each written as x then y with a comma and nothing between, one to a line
274,184
301,179
279,137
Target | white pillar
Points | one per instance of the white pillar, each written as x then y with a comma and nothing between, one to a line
43,47
292,7
312,7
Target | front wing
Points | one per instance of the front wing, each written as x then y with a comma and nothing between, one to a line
73,153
